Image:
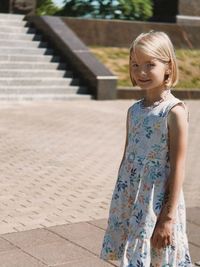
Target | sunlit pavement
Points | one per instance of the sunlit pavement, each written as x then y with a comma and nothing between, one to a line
59,162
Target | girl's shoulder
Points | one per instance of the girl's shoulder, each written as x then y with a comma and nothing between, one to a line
174,107
134,109
135,105
173,102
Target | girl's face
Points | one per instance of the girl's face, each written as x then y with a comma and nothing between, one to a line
146,71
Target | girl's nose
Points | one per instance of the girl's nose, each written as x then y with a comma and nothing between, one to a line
143,72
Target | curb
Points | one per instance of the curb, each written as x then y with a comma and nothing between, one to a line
136,93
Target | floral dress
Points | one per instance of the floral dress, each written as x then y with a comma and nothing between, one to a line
139,194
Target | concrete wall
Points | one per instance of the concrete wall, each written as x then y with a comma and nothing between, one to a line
121,33
189,7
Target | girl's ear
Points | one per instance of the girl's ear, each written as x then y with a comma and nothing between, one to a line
168,71
168,68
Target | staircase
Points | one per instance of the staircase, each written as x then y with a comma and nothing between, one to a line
29,70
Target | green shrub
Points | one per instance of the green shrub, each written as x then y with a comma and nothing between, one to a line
108,9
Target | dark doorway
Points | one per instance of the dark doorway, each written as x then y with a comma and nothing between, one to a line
4,6
164,10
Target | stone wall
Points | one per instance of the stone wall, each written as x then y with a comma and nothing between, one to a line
189,7
121,33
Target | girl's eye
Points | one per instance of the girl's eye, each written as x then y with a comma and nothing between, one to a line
151,65
134,65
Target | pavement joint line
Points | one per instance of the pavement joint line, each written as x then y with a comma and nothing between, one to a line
194,244
38,260
72,242
111,263
96,226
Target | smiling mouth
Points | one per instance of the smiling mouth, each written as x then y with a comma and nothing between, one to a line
143,81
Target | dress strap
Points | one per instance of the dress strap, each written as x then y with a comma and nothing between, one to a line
175,102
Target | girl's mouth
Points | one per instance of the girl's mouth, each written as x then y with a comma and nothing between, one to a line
143,81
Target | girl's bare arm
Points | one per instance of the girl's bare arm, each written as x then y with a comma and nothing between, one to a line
178,133
178,130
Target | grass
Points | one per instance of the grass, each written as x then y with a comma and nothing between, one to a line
116,59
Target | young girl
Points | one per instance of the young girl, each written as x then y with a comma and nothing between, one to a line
146,226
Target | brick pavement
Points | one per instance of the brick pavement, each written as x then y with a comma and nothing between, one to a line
59,162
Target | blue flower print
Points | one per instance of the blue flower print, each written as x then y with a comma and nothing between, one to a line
149,131
159,202
121,185
140,161
143,255
137,140
132,176
187,259
161,114
139,216
163,138
116,196
143,235
140,264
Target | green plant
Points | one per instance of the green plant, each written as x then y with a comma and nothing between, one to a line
135,9
46,7
108,9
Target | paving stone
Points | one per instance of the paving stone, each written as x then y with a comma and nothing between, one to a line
91,262
193,232
100,223
83,234
193,215
5,245
17,258
58,253
32,238
194,253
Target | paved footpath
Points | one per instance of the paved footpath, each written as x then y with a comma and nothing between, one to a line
58,167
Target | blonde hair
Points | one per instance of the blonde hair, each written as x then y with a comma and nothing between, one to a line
158,45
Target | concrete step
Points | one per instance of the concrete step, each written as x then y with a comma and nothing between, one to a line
29,65
20,36
43,90
52,97
28,69
38,82
4,29
25,51
10,23
11,16
22,43
28,58
34,73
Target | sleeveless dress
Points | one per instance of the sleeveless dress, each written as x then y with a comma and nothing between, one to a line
139,194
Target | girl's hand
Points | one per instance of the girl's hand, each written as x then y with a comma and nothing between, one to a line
162,235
